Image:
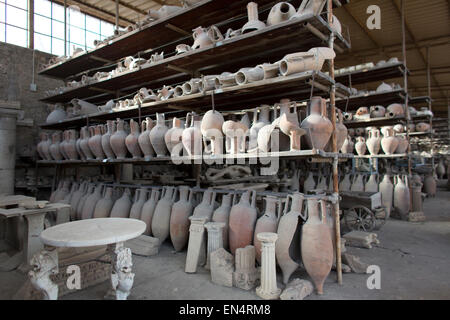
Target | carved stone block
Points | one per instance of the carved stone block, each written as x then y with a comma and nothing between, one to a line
246,276
361,239
144,245
222,266
297,289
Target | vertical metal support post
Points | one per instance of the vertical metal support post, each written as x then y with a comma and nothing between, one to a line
405,84
335,151
65,28
31,24
117,14
429,107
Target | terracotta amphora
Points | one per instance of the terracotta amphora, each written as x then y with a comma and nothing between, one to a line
298,62
91,202
358,183
63,191
190,87
374,141
211,128
247,75
161,215
104,205
46,147
253,23
280,12
310,183
371,184
122,206
377,111
403,145
148,209
76,198
206,207
69,196
62,145
268,222
360,146
90,189
84,143
58,114
106,137
401,196
55,192
387,193
395,109
440,169
173,137
290,126
117,140
179,218
345,184
192,135
71,145
95,142
341,133
157,135
242,222
205,37
389,142
222,214
235,135
131,141
258,123
348,145
78,146
43,137
430,184
316,245
140,197
54,147
144,138
318,127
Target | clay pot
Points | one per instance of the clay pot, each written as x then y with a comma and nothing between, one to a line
440,169
389,143
205,37
387,192
95,142
225,79
268,222
253,23
211,128
207,83
318,127
117,140
45,147
298,62
316,245
290,126
161,215
78,146
58,114
163,11
242,222
422,127
341,133
173,137
247,75
55,192
43,138
71,145
235,133
62,145
384,87
140,198
310,183
122,206
280,12
76,196
84,143
91,202
348,145
131,141
148,209
345,184
257,125
157,135
106,137
403,145
178,91
83,107
270,70
54,147
222,214
179,218
401,196
206,207
104,205
395,109
371,184
362,113
191,87
377,111
144,139
430,185
374,141
81,203
192,135
360,146
398,128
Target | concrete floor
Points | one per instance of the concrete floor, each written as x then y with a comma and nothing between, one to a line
413,257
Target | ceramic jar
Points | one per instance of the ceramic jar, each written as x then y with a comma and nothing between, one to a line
290,126
40,147
374,141
341,133
257,124
91,202
318,127
387,192
89,190
192,135
122,206
360,146
403,145
377,111
131,141
348,145
54,147
395,109
179,218
84,145
211,129
222,214
106,137
63,143
140,198
280,12
316,245
71,145
206,207
268,222
205,37
429,184
148,209
401,196
157,135
58,114
298,62
76,196
117,140
144,139
389,142
247,75
161,215
253,23
371,184
440,169
173,137
95,142
242,222
104,205
345,184
358,183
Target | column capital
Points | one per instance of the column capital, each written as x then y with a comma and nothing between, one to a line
267,237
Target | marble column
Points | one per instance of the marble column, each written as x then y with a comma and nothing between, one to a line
245,275
215,239
268,289
196,245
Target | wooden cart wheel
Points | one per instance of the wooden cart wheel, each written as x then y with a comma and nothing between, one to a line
360,218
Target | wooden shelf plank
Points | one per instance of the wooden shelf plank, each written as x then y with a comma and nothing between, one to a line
384,72
382,98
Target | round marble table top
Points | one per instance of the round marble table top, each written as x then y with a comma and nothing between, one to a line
92,232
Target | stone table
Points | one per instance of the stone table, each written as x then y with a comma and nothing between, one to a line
86,233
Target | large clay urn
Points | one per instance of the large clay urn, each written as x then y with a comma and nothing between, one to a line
211,129
401,196
131,141
161,216
258,123
206,207
45,147
280,12
157,135
84,143
440,169
117,140
371,184
78,146
222,214
144,138
341,133
140,197
179,218
403,145
348,145
318,127
289,235
253,23
91,202
76,196
377,111
82,202
55,192
268,222
148,209
192,135
71,145
235,135
54,147
345,184
316,245
290,126
360,146
310,183
63,143
106,140
373,141
429,185
173,137
389,143
43,137
387,192
242,222
95,142
122,206
104,205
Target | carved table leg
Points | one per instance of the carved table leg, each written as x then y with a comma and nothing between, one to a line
121,276
34,227
44,264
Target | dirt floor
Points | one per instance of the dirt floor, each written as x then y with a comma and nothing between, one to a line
413,258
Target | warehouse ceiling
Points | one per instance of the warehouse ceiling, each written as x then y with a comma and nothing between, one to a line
427,35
